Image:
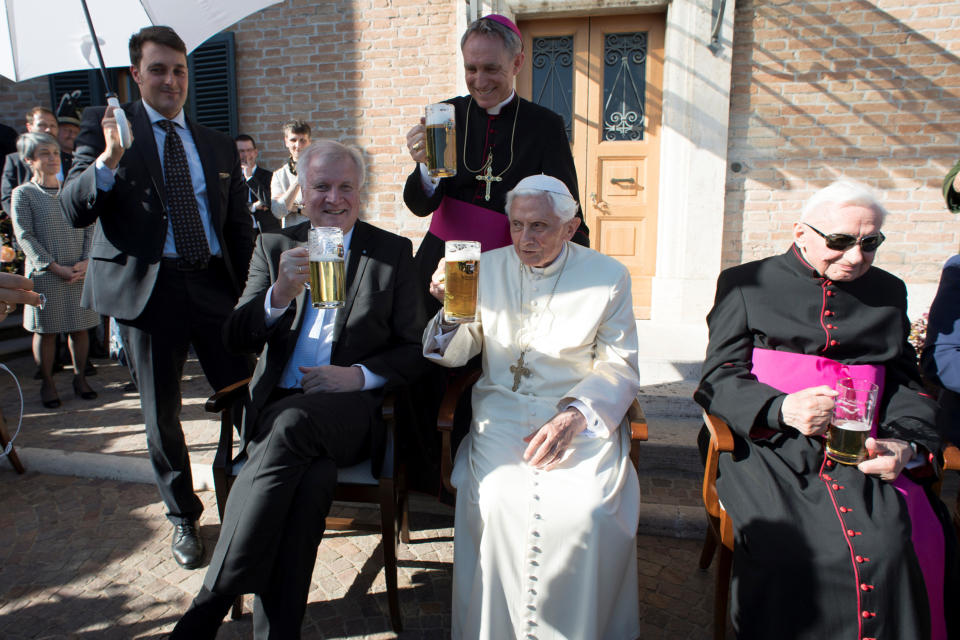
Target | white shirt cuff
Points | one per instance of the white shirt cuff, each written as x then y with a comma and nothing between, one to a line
428,182
106,176
370,379
595,426
272,314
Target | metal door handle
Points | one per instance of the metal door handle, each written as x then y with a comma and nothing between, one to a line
622,181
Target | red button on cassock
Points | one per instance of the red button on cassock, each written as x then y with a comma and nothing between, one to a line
828,313
830,293
851,532
835,486
859,558
843,509
833,343
866,587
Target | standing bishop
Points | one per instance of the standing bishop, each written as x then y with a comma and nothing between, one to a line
500,139
547,498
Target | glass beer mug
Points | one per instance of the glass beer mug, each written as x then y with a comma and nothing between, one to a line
853,411
441,140
460,280
325,245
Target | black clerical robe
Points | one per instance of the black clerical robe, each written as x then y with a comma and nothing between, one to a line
525,139
821,550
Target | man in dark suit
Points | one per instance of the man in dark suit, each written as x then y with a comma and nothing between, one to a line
314,398
170,251
15,171
258,184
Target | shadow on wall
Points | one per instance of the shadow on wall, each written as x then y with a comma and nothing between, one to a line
824,89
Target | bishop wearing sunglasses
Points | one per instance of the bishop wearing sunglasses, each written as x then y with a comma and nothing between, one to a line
824,549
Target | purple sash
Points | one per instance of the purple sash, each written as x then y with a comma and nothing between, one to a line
791,372
458,220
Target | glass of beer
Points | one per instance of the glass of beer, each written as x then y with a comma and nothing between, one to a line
326,267
460,280
441,140
853,411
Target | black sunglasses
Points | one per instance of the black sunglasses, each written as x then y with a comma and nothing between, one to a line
843,241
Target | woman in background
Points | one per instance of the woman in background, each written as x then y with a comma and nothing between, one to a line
56,262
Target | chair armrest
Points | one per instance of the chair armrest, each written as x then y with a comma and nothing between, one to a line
638,422
448,406
721,440
451,397
225,397
951,457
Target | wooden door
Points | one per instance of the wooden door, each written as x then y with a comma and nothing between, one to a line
604,75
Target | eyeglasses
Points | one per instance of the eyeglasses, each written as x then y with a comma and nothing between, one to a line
843,241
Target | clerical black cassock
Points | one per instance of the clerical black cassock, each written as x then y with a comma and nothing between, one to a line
821,549
523,139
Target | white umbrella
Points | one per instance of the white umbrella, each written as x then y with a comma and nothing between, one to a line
39,37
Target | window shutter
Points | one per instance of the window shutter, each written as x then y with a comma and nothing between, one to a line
212,101
92,92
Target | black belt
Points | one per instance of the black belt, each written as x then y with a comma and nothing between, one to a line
179,264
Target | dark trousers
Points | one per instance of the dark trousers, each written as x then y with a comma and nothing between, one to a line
274,519
186,308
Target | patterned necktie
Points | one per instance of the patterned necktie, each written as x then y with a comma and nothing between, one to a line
188,234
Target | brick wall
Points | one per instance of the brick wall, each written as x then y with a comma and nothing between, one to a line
16,98
869,90
360,71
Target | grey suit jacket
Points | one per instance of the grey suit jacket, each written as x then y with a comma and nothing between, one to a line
132,218
380,325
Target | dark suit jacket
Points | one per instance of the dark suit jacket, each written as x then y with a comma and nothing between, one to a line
8,140
16,172
132,218
380,325
259,184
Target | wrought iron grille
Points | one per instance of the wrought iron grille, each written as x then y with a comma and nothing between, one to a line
553,76
624,85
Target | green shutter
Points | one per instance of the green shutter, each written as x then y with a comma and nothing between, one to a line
89,83
213,87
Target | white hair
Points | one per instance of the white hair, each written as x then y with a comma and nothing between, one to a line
843,192
564,207
329,149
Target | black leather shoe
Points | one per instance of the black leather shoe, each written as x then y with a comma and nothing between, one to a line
187,546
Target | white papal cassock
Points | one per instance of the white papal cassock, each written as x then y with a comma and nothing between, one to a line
546,554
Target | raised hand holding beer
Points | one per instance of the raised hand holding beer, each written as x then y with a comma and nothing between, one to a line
417,142
852,418
292,275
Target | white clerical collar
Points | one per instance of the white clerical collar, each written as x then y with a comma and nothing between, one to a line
495,110
253,171
552,268
346,238
155,116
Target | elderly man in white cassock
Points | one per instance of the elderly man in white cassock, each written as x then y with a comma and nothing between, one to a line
547,499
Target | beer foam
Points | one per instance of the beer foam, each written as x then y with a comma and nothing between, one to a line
851,425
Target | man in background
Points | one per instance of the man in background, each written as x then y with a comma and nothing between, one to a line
15,171
258,184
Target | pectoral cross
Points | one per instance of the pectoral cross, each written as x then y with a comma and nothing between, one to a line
489,178
519,370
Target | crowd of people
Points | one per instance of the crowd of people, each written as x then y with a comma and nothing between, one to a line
185,241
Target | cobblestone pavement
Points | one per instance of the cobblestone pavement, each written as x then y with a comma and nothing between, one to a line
85,558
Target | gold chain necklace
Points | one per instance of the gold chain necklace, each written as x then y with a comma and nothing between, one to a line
486,169
520,369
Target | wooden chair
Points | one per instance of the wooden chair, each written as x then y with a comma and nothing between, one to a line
719,525
463,383
354,484
720,529
4,440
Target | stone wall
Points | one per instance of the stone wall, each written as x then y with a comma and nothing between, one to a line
828,88
16,98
